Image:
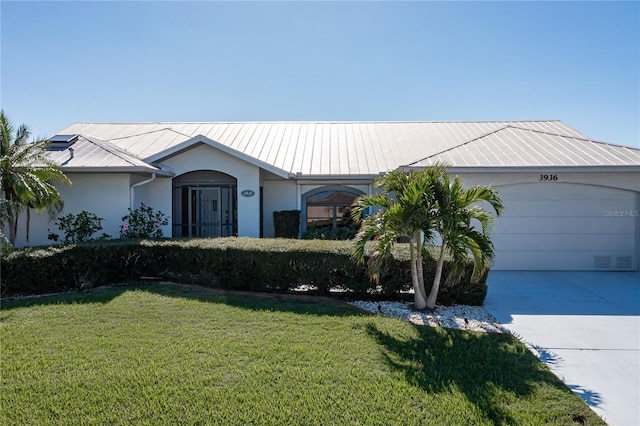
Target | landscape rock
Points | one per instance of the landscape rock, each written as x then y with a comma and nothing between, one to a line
462,317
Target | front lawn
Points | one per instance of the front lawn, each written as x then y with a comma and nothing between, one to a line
170,354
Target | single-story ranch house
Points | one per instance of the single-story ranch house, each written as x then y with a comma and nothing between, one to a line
571,202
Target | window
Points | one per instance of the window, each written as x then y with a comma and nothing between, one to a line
329,209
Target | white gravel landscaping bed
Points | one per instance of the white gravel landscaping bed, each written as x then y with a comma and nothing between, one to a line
474,318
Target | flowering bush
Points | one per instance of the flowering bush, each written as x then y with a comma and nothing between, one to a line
143,222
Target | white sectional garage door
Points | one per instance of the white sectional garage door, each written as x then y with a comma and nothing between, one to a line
561,226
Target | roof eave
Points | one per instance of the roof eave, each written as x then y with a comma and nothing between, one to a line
532,169
159,173
302,177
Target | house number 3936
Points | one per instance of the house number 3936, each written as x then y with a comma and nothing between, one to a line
548,178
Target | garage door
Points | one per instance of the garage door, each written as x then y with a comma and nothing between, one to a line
560,226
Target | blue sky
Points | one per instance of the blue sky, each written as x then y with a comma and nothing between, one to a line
579,62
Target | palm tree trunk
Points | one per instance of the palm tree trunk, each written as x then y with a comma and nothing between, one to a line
433,295
419,264
13,227
28,224
418,296
12,217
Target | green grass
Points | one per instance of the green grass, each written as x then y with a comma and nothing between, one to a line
169,354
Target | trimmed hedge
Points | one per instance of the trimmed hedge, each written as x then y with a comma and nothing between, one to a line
266,265
330,233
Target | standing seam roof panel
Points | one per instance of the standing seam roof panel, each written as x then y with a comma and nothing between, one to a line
597,152
303,160
626,152
507,137
325,159
343,150
272,154
253,140
371,154
358,160
516,150
334,150
230,138
610,153
240,135
537,152
392,155
317,149
295,161
286,157
371,147
255,149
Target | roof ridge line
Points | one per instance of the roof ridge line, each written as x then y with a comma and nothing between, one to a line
313,122
586,139
462,144
113,149
149,132
554,134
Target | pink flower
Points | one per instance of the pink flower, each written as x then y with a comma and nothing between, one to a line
158,224
144,204
125,227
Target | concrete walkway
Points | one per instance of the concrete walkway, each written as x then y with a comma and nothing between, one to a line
585,326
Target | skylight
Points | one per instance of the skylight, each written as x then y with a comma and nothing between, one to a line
60,142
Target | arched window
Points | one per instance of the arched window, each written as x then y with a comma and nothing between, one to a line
328,207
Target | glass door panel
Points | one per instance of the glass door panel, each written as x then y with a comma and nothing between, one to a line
204,215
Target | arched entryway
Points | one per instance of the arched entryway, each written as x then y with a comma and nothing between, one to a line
205,204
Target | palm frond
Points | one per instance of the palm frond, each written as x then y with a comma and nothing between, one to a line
27,175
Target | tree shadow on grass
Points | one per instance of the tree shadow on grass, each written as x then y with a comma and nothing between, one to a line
314,305
494,371
102,295
256,301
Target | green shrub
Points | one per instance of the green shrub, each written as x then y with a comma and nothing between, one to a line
286,223
78,228
267,265
143,222
330,233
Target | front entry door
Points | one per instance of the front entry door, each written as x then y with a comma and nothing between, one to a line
204,212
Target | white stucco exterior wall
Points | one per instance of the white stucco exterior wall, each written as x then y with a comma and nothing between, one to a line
105,194
156,194
278,195
204,157
614,235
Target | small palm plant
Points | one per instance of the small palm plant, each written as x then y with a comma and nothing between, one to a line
418,206
406,210
458,212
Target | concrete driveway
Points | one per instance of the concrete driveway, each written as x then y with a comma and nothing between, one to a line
585,326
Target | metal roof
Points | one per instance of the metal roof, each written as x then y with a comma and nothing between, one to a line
91,154
519,147
369,148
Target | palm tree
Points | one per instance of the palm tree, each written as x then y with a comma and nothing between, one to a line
406,209
458,212
26,177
